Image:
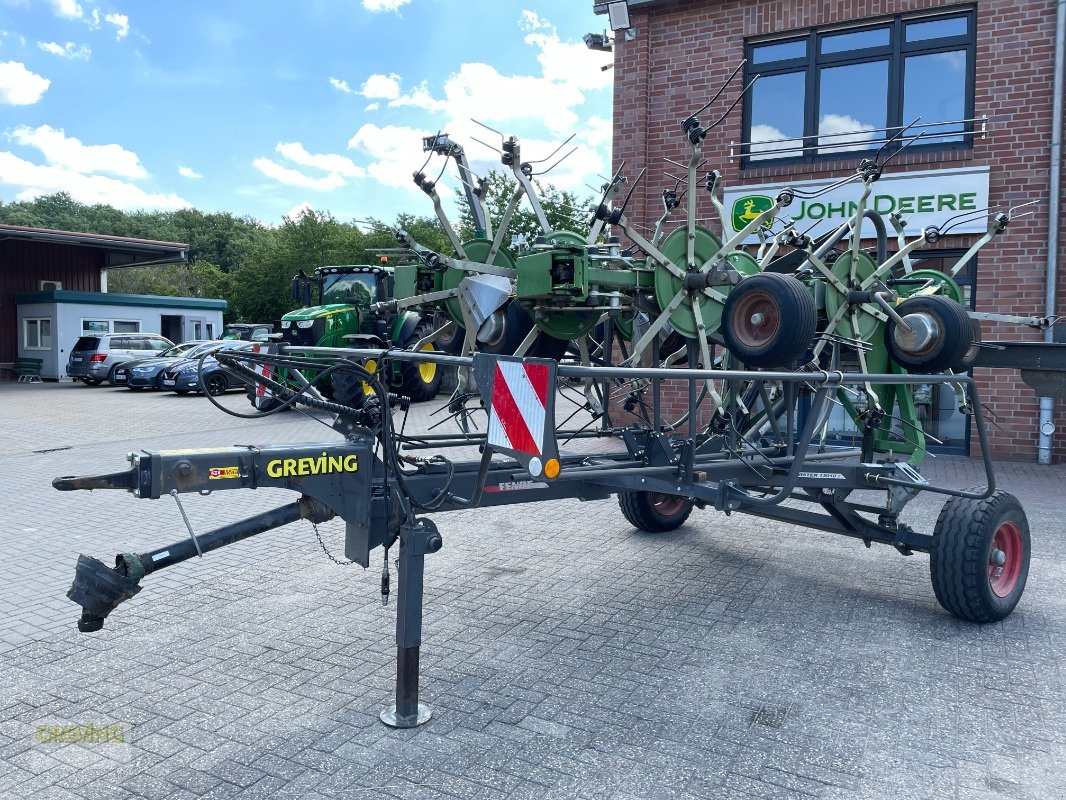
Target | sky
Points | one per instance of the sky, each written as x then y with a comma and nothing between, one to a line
265,108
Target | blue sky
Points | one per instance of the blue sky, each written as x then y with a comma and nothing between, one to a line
262,108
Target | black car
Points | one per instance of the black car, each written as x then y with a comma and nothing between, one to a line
184,377
145,374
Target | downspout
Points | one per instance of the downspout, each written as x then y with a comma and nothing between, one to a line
1047,404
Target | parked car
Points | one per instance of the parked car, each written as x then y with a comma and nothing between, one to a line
145,374
183,378
249,331
93,358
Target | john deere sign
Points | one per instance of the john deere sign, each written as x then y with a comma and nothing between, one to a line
929,197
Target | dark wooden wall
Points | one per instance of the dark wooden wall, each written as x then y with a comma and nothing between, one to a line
23,265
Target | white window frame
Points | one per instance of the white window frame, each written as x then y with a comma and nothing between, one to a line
87,332
115,322
26,333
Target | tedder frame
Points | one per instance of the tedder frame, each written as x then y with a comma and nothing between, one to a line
763,452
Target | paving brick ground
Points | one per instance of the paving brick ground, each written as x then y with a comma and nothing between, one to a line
566,656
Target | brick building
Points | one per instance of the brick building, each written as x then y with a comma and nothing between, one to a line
850,73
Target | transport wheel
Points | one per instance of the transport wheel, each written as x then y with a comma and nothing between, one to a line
420,382
980,560
654,512
92,381
216,384
970,357
769,320
940,336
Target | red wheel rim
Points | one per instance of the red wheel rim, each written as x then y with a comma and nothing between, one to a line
667,504
1005,559
756,319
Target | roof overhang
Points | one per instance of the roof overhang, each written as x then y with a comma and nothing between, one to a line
119,252
600,6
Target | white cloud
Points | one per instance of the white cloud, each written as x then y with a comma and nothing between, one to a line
394,151
121,23
19,86
298,211
68,152
340,85
67,8
327,162
68,50
188,172
383,87
372,107
770,141
384,5
293,177
34,180
843,132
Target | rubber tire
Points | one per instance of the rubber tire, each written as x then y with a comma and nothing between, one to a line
958,561
638,509
411,383
135,388
181,392
797,314
452,345
92,381
969,358
214,379
269,405
953,345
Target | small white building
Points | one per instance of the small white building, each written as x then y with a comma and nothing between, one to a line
49,323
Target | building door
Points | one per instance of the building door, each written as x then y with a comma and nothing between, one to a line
171,327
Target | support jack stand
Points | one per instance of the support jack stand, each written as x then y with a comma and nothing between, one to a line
415,542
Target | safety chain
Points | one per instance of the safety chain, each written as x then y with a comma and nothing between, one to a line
318,535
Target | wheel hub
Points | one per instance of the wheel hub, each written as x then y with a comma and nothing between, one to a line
758,319
1005,559
924,331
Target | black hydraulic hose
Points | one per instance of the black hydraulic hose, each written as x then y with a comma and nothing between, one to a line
839,234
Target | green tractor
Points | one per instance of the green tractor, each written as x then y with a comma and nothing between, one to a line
338,315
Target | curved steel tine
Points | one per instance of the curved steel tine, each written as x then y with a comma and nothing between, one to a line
488,128
824,189
733,105
902,147
553,152
895,136
1011,211
560,161
632,189
486,144
718,94
431,154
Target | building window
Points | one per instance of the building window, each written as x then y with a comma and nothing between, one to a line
95,326
830,92
37,334
127,326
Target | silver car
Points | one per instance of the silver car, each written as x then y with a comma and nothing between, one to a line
93,357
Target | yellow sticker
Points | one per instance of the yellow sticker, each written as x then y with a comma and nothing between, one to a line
221,473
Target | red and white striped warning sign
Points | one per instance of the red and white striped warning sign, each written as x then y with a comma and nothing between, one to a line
266,370
519,397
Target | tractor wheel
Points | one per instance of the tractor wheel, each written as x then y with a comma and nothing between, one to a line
980,558
420,382
940,336
769,320
654,512
453,344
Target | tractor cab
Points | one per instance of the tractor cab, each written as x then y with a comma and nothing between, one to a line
335,303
